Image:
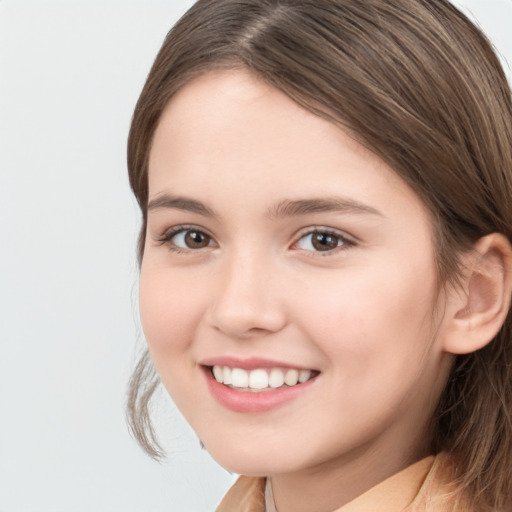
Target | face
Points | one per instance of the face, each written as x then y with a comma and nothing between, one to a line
288,288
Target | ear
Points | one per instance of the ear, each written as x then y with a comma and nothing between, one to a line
479,305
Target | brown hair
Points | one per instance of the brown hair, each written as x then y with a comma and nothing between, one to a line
417,83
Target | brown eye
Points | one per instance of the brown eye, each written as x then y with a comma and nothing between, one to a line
196,240
321,241
190,239
324,242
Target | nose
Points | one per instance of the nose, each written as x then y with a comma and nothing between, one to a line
248,300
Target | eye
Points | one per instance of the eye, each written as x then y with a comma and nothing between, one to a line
321,241
187,238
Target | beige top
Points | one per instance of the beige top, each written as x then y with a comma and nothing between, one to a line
423,487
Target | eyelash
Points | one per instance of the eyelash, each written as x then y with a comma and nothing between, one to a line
166,238
344,240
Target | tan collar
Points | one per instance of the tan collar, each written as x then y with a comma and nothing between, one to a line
394,494
246,495
422,487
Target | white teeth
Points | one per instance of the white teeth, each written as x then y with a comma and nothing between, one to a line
239,378
291,378
276,378
304,375
260,378
218,373
226,375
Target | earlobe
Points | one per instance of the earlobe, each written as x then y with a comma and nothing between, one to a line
483,299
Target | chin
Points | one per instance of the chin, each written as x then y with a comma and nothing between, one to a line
252,460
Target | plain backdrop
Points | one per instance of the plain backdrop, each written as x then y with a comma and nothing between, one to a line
70,74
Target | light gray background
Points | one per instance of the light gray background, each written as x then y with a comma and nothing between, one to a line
70,73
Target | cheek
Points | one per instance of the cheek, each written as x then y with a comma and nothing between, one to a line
375,332
170,310
369,317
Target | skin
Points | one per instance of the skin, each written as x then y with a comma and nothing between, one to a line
368,314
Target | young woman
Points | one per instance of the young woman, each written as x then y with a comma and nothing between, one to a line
326,266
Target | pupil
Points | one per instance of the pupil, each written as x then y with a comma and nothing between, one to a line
324,242
196,240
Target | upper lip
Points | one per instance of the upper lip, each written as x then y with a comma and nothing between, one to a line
251,363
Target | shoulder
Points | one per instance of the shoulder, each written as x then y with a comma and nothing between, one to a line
439,492
246,495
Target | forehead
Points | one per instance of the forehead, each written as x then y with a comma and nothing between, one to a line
235,112
228,135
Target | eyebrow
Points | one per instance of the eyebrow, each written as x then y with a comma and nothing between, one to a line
180,203
288,208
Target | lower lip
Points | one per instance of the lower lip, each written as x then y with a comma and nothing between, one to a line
247,401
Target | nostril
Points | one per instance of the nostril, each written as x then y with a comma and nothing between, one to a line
245,323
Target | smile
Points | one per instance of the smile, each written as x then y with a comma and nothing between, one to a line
260,379
256,385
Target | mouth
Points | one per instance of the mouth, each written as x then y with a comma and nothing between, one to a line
256,385
260,379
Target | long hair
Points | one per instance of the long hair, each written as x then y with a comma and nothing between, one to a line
420,86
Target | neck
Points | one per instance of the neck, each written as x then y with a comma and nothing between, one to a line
327,487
